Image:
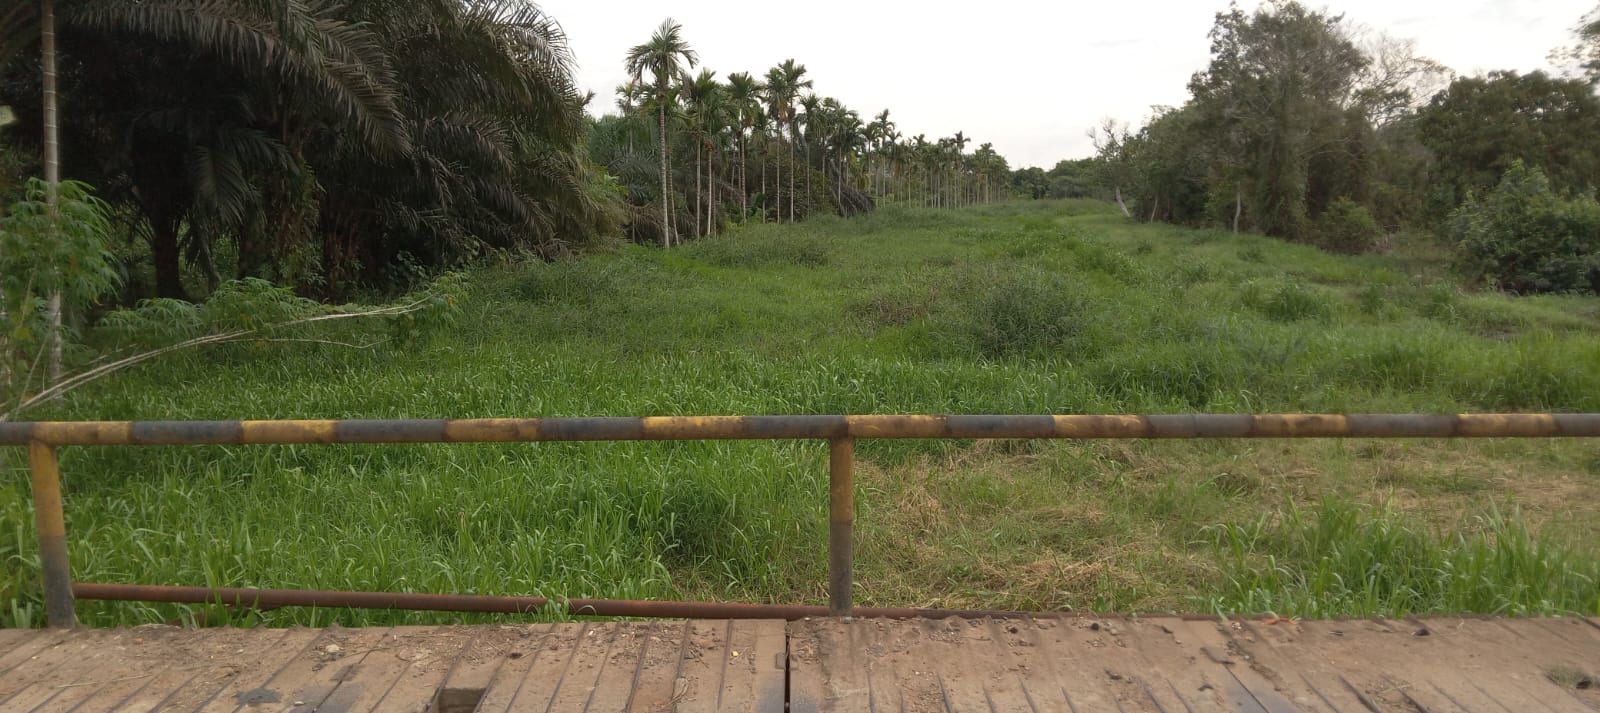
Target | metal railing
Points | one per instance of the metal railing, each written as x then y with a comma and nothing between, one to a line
42,440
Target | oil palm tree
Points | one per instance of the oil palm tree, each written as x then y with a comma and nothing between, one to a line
372,127
666,57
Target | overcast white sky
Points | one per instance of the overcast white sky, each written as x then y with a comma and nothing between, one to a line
1029,76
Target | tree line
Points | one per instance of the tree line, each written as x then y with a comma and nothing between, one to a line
1308,127
692,153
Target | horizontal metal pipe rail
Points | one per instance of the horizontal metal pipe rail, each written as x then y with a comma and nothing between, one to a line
841,432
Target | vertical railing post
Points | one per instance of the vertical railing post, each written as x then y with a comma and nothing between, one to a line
51,523
841,524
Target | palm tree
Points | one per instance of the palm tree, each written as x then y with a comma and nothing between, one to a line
784,82
666,57
703,96
365,128
743,92
877,134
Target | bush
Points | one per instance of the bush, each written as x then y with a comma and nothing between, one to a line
1347,227
1523,237
1028,317
1286,301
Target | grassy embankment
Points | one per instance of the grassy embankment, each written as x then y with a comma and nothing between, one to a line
1029,308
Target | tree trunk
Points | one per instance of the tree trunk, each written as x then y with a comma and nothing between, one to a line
164,253
791,172
666,221
711,191
1155,202
52,171
744,168
1121,204
1238,209
699,195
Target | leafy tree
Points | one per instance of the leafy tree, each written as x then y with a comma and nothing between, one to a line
1584,52
1280,79
1479,127
1523,236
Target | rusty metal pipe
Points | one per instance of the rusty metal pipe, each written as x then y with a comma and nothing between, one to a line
484,604
841,525
51,523
685,428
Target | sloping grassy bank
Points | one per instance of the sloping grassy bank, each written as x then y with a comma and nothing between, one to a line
1023,308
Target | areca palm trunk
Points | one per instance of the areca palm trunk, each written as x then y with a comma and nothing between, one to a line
744,168
699,195
791,171
52,169
666,221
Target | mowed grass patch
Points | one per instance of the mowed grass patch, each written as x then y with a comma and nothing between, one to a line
1016,308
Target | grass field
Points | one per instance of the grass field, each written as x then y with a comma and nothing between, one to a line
1058,307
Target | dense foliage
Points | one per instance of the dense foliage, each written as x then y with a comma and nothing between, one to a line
319,144
1307,127
1523,236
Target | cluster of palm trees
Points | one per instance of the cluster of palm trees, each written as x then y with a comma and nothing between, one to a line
324,144
765,147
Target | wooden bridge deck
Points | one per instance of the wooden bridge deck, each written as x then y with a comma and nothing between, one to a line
1076,665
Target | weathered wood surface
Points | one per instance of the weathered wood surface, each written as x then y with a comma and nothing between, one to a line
1071,665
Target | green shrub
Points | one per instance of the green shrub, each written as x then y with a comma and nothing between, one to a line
1523,237
1286,301
1347,227
1027,315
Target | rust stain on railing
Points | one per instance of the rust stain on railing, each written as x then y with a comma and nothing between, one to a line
42,438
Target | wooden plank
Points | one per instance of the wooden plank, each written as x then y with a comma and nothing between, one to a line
64,674
769,664
885,671
1008,655
1300,648
1076,654
144,654
27,649
12,639
406,667
241,680
537,690
1061,680
187,662
704,672
807,684
1510,661
307,682
1192,678
1117,667
836,674
578,683
655,681
521,657
432,659
1256,684
614,677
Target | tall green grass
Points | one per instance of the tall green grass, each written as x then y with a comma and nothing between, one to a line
1016,308
1344,560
